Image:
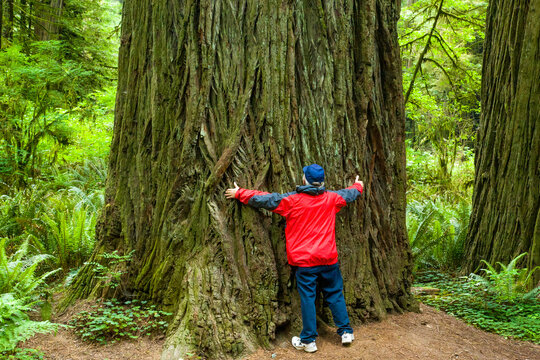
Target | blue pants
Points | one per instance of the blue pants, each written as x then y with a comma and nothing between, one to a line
329,279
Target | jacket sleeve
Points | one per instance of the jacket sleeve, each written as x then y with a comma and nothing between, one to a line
275,202
349,194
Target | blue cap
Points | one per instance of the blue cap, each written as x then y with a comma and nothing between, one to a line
314,173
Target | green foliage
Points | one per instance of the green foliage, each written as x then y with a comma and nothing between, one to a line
18,273
437,233
470,300
56,92
55,220
425,183
15,325
24,354
89,32
111,321
509,283
111,273
89,176
441,44
71,224
31,86
20,290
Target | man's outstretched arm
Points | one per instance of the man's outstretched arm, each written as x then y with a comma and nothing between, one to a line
274,202
350,194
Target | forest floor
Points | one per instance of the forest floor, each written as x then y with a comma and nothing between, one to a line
431,334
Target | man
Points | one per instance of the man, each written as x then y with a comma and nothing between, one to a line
310,213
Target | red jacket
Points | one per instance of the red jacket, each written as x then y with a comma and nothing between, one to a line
310,213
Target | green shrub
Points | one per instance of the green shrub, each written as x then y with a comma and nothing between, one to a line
437,232
19,210
58,221
111,321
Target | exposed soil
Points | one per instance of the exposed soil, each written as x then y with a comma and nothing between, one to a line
431,334
66,346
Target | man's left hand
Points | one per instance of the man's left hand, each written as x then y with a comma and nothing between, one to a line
358,181
231,193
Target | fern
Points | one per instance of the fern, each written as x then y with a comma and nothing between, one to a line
71,236
15,325
437,232
19,292
510,283
17,272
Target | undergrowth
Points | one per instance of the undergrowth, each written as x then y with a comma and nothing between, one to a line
23,354
111,320
479,304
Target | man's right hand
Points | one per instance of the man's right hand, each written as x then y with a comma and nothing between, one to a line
358,181
231,193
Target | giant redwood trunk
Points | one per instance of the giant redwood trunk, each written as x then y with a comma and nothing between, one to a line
505,220
212,92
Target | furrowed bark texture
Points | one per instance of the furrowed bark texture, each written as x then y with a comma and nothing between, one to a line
505,220
212,92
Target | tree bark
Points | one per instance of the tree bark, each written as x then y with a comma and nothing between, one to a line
212,92
505,220
10,19
47,17
1,21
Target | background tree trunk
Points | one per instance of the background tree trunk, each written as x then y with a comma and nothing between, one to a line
47,15
215,91
10,19
1,22
505,219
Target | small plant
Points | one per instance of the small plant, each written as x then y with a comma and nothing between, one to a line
20,290
110,274
71,235
23,354
112,320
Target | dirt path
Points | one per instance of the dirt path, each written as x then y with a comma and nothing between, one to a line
430,335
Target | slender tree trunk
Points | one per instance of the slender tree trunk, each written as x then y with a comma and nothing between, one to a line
505,220
424,51
212,92
10,19
1,21
23,22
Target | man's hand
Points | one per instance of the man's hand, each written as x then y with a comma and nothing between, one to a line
358,181
231,193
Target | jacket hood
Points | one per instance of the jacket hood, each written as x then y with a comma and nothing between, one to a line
310,189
